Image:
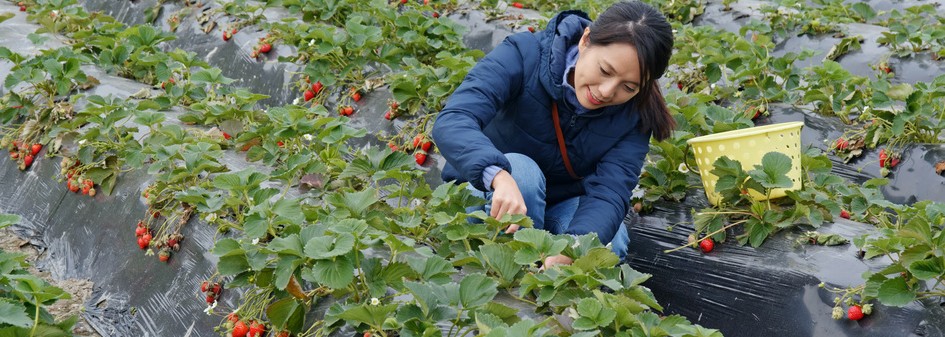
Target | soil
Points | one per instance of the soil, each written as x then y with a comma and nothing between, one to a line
78,288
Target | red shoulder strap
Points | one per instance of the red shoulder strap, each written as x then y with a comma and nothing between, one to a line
564,150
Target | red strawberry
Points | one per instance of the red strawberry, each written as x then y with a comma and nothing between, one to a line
147,238
367,334
28,160
280,143
172,242
317,87
73,187
14,155
356,96
36,148
233,32
531,29
256,329
22,8
233,317
403,2
893,162
226,36
844,214
707,245
85,190
240,329
217,288
346,111
265,48
679,85
421,157
169,81
841,144
211,299
203,288
426,2
417,139
141,243
855,313
227,136
426,145
387,115
286,333
392,146
164,255
436,15
309,95
140,230
394,106
518,5
882,157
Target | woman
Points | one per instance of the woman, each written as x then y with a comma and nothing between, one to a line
498,132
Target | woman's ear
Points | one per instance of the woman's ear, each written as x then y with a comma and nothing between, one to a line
585,39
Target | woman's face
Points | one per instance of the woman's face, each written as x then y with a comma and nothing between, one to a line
605,75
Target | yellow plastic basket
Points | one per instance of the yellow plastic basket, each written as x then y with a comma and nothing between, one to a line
748,146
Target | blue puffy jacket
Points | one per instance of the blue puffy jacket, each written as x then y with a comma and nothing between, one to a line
504,106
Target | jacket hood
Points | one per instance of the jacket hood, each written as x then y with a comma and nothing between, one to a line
563,31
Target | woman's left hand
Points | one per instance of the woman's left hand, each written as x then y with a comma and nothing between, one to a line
556,260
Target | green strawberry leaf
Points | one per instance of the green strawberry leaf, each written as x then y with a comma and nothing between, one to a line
895,292
14,314
773,171
336,274
477,290
928,269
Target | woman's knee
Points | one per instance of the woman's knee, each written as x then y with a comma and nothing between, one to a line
526,173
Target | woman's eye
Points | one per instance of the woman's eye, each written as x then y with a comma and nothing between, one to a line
602,71
630,89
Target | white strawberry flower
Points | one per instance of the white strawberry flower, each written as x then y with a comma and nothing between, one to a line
311,43
375,301
683,168
256,241
211,217
573,313
81,141
297,101
307,137
209,309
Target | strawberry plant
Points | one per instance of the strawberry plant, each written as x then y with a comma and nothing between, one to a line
24,298
835,91
914,31
760,219
100,142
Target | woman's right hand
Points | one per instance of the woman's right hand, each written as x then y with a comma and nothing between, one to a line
506,198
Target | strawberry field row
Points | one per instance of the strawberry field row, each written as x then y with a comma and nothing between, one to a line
287,244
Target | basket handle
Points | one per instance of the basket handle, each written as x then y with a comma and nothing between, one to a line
686,160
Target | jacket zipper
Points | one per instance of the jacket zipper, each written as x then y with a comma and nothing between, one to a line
573,119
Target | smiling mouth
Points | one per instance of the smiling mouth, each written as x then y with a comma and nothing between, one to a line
590,98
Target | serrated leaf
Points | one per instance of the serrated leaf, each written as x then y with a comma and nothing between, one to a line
476,290
14,314
335,274
927,269
895,292
324,247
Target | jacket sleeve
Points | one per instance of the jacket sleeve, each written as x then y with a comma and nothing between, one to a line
457,131
609,188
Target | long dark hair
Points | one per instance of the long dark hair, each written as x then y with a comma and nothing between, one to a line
647,30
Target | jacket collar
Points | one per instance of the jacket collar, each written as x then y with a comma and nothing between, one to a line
563,31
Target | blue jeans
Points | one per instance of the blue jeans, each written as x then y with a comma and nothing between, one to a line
553,218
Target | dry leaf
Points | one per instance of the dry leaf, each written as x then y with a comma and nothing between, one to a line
940,167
